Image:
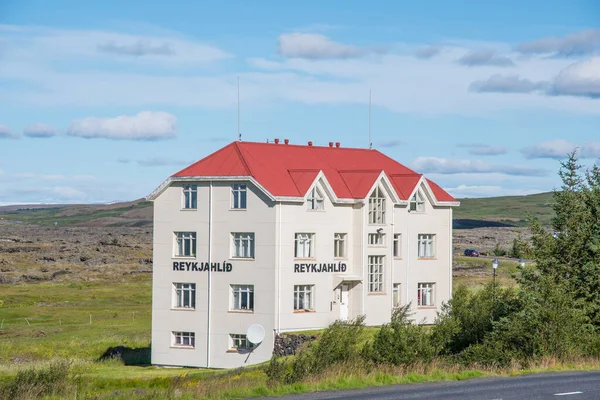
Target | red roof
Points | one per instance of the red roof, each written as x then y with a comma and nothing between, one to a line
289,170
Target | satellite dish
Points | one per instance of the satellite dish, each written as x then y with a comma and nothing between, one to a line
255,334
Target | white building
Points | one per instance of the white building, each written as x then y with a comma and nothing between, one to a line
292,238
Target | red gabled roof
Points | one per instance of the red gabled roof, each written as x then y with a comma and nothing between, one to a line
289,170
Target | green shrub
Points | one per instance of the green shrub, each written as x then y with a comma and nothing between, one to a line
51,380
340,342
498,251
401,341
469,317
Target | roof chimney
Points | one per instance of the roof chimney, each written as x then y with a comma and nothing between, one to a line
276,141
310,143
330,144
337,144
286,141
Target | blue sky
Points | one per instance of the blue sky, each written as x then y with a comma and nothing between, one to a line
101,101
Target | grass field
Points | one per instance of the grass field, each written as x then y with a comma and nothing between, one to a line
509,210
71,215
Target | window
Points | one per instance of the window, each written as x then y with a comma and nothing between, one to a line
243,245
240,342
184,339
397,245
303,297
417,203
190,197
242,297
425,294
396,295
376,239
377,207
375,273
339,245
185,295
426,246
186,244
238,196
305,245
315,199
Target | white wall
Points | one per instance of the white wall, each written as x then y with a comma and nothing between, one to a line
272,270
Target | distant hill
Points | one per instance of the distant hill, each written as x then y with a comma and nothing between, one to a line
132,213
490,212
503,211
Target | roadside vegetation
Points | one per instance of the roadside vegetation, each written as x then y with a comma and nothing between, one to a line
542,317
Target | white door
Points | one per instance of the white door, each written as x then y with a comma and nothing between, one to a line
344,303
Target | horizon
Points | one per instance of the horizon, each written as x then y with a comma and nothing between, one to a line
101,102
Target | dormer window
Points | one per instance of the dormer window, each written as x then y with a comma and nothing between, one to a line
417,203
238,196
377,207
315,199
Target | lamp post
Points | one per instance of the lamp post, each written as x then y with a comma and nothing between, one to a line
495,264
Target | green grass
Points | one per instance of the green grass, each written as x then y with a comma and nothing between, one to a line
510,210
81,216
41,321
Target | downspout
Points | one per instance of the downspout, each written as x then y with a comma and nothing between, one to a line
208,293
393,260
363,259
279,206
408,259
451,256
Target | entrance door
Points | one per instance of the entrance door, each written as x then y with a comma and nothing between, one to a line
344,302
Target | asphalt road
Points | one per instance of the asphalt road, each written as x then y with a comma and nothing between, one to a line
564,385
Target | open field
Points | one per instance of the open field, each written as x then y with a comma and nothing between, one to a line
503,211
76,291
488,212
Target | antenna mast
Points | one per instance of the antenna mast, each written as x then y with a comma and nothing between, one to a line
239,133
370,141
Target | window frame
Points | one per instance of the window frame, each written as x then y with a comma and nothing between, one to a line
180,244
240,238
375,274
429,287
340,241
179,299
241,338
310,237
240,289
396,295
426,241
376,239
315,200
190,197
239,196
397,246
417,202
377,204
307,289
180,335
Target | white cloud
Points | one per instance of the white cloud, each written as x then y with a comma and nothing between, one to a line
39,131
146,125
465,191
576,44
481,149
579,79
428,51
317,46
6,132
400,82
560,148
478,58
41,43
460,166
507,84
